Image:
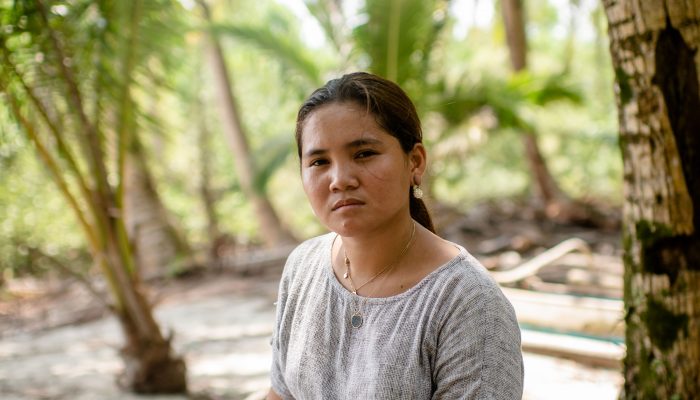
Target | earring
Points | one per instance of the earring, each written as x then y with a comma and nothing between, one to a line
417,192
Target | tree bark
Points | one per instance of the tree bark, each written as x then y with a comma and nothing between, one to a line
216,238
157,244
514,24
150,365
273,232
654,46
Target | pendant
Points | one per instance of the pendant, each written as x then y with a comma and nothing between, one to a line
345,275
356,320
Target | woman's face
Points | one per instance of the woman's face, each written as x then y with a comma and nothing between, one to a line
355,174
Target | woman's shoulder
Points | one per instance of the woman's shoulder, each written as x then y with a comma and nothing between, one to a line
475,317
465,282
466,272
309,252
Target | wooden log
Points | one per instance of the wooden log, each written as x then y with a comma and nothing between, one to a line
531,267
587,351
570,314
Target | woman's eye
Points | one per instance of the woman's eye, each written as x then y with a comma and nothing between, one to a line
365,154
316,163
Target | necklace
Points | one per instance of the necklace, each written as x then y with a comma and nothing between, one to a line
347,274
356,318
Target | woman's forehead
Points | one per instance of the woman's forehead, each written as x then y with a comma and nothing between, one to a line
341,122
343,113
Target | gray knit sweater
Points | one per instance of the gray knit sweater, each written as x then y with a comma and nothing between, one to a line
452,336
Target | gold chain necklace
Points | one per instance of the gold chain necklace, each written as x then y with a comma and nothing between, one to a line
347,274
356,319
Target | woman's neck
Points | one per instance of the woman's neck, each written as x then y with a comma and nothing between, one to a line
371,253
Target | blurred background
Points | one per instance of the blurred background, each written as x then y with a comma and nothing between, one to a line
147,151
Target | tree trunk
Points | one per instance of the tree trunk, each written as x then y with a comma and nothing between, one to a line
514,24
553,200
654,46
150,366
157,244
216,238
273,232
546,187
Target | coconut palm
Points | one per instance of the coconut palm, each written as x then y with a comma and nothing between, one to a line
70,76
553,200
250,175
398,40
402,40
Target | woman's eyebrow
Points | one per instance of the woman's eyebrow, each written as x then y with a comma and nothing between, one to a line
350,145
363,142
315,152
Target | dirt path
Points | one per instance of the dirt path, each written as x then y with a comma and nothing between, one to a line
222,326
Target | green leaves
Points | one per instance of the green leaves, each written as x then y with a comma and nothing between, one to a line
89,52
277,152
285,46
398,37
511,100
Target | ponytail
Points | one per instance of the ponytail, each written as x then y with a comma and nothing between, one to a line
419,212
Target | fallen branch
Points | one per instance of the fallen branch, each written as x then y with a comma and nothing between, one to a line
531,267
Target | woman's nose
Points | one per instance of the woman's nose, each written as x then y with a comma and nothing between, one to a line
343,177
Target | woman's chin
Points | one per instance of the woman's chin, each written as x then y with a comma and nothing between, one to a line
349,228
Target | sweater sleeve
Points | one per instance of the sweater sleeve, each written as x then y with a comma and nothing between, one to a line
279,342
478,354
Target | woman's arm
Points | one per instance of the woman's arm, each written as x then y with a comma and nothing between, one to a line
479,355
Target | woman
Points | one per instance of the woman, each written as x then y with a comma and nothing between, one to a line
381,307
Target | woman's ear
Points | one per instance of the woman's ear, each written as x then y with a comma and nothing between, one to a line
418,161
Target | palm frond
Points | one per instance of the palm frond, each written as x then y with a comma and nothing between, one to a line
282,45
398,37
556,88
277,151
458,101
329,14
75,61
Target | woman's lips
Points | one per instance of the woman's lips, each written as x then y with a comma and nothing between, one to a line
346,203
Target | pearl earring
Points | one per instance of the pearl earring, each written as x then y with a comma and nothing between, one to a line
417,192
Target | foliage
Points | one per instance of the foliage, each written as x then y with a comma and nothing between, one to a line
277,38
469,104
71,74
35,230
398,39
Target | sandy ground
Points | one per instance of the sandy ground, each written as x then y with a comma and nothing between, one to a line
222,329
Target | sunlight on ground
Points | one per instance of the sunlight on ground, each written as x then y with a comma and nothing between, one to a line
550,378
225,341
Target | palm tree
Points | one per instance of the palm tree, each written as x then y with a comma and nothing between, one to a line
272,229
395,42
157,241
553,200
70,74
398,40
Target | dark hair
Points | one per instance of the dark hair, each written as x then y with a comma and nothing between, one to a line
391,108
